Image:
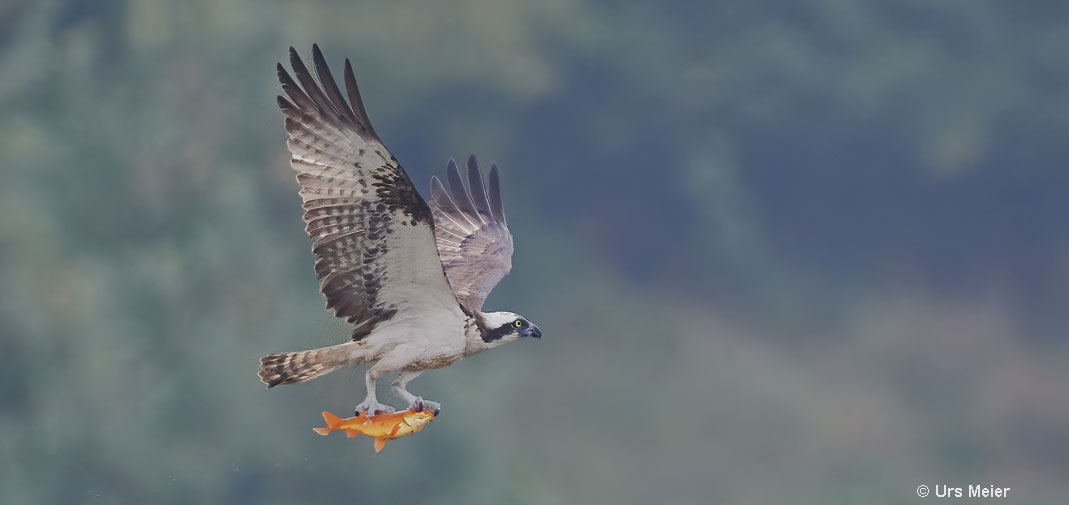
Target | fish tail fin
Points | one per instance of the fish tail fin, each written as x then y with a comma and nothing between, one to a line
380,442
332,420
293,367
332,423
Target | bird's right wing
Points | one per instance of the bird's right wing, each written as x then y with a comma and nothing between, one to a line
473,239
373,233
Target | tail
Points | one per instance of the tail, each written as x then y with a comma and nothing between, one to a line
332,423
293,367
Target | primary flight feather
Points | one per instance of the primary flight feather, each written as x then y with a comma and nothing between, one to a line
410,276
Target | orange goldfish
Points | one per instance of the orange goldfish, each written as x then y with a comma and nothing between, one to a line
381,427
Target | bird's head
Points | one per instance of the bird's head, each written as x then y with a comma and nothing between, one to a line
501,327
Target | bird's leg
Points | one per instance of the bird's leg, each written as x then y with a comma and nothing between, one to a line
370,404
400,389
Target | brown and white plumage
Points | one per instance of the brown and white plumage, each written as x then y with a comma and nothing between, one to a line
473,239
411,277
371,228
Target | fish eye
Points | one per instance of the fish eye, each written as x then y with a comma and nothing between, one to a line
518,323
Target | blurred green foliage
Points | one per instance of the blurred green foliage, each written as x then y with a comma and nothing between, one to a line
782,252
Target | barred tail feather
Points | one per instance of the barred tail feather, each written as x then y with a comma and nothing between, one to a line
293,367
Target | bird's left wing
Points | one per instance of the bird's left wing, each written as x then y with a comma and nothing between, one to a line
473,239
373,233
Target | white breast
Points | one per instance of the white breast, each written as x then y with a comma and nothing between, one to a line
419,339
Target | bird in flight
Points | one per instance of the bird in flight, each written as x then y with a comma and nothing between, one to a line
411,276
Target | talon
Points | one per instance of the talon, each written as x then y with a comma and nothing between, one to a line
419,405
372,409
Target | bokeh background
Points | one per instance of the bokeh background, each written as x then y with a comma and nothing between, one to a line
782,252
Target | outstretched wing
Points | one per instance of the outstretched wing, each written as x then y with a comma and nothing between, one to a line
473,239
373,233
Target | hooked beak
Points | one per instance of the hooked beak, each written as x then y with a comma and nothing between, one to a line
531,331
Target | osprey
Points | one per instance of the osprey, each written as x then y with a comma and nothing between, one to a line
411,276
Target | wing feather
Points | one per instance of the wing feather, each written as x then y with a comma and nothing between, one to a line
308,84
358,102
473,240
478,192
460,195
373,234
331,87
495,196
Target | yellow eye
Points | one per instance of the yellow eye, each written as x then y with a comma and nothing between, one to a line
518,323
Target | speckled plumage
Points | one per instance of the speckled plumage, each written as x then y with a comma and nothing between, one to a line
411,277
